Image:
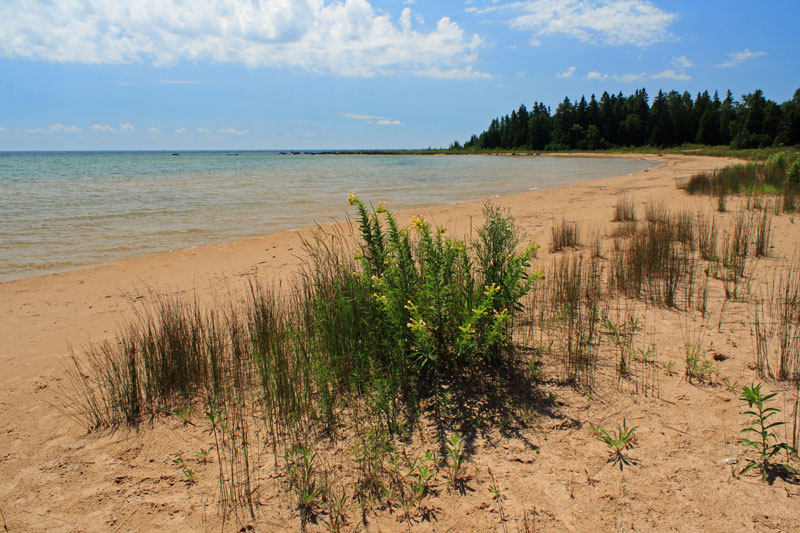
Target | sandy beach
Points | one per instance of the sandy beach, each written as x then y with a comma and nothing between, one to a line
56,477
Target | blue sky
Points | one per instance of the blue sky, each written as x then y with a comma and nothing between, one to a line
316,74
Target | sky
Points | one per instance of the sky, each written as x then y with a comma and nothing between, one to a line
349,74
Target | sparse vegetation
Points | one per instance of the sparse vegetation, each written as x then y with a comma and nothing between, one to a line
618,441
766,444
409,330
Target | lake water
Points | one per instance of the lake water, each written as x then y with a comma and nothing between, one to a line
61,210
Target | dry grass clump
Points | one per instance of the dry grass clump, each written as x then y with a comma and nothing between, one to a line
625,210
565,234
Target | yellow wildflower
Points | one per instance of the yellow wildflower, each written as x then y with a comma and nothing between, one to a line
417,223
352,198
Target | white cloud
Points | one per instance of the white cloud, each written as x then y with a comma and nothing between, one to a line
570,72
127,128
681,62
180,131
454,73
105,128
60,128
347,37
671,74
154,131
735,58
373,119
55,128
202,130
359,116
630,77
609,22
233,131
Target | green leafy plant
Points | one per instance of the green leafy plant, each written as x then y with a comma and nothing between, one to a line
499,496
455,451
698,365
301,468
202,456
618,441
189,476
765,444
184,414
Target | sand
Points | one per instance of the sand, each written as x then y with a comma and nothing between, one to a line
56,477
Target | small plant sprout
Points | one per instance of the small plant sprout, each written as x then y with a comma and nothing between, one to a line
189,476
455,451
765,444
302,478
669,368
202,456
618,441
732,386
645,355
499,496
184,414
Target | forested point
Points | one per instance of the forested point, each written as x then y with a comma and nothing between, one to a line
673,119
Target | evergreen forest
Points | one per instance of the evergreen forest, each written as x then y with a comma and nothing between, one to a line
671,119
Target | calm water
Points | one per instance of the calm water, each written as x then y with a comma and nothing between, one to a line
64,210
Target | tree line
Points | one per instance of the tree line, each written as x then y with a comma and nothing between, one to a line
672,119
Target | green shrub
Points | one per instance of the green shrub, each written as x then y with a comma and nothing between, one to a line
793,175
443,310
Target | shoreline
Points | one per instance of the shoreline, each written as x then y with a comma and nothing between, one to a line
47,271
101,290
55,471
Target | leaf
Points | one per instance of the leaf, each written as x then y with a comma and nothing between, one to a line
748,467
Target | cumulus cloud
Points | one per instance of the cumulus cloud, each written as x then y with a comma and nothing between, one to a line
386,122
596,75
180,131
233,131
202,130
154,131
608,22
570,72
681,62
345,37
55,128
105,128
736,58
127,128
